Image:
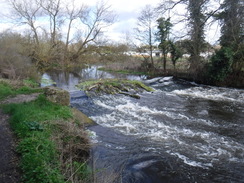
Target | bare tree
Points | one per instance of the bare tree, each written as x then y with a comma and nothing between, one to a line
27,12
92,25
73,13
61,19
145,29
53,9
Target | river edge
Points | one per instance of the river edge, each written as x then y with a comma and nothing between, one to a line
74,130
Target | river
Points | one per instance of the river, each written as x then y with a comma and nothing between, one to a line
181,132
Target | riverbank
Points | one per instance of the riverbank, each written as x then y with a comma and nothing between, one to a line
51,144
234,80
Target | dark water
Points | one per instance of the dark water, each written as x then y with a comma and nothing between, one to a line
182,132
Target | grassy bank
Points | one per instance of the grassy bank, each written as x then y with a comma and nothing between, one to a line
13,88
51,141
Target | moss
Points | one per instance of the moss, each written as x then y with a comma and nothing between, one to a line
114,86
57,95
81,117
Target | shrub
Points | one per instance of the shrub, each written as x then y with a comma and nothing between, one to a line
221,64
14,60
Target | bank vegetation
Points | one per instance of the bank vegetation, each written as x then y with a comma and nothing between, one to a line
51,140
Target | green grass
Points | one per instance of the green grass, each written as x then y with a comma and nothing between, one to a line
39,157
9,90
5,90
51,139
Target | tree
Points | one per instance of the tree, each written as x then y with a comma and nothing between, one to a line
52,8
94,23
52,21
73,13
197,20
232,30
230,58
27,12
184,45
221,64
197,16
164,27
175,52
145,29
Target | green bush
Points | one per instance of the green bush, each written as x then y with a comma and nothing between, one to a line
221,64
15,62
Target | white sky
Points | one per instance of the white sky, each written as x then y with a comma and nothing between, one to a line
127,12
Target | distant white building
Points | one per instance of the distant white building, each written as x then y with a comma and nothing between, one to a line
157,53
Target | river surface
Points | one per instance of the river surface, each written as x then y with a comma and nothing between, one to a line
181,132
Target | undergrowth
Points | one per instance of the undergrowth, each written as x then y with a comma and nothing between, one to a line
48,136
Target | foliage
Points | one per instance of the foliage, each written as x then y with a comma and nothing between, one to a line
231,18
38,127
184,45
221,64
164,27
175,52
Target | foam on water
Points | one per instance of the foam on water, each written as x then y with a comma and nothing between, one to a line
143,164
192,163
195,147
213,93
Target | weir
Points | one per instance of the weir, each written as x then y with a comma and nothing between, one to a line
182,132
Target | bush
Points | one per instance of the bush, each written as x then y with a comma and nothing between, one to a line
14,60
221,64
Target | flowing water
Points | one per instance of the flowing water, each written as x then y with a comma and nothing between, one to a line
181,132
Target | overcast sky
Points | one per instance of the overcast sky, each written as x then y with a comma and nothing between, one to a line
127,12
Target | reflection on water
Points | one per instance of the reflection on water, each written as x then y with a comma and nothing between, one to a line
68,80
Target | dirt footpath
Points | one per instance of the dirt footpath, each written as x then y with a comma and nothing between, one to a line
9,171
9,158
